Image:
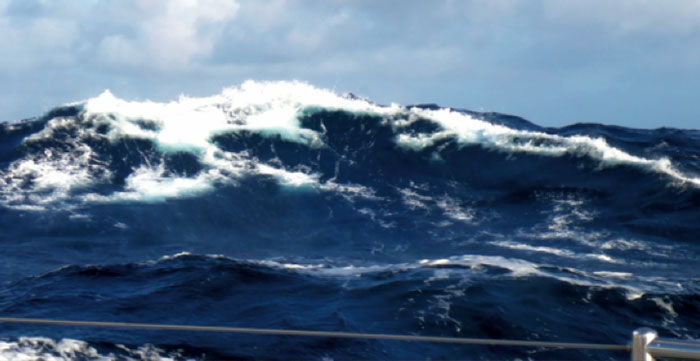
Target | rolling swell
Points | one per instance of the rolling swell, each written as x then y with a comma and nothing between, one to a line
334,213
467,301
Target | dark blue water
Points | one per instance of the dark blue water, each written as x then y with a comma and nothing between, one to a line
278,205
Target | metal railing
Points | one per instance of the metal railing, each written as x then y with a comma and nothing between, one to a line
645,345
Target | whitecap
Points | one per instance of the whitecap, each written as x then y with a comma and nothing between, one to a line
271,109
46,349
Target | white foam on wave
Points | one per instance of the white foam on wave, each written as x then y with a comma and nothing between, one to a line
46,349
541,249
444,267
666,304
268,108
562,229
557,252
151,184
450,208
414,200
462,268
613,274
469,130
51,176
183,125
271,109
516,267
633,286
289,178
454,211
565,224
188,125
349,191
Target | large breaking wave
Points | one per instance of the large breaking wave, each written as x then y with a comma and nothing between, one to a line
331,212
154,151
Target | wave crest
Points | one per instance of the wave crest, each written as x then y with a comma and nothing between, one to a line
148,151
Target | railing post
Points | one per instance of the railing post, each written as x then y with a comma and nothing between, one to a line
641,338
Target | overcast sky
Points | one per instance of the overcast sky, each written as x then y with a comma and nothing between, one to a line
554,62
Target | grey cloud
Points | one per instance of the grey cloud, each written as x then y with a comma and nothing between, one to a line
608,60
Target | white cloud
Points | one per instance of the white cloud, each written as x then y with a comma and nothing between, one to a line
171,35
155,34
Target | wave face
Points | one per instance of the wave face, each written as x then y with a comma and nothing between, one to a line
280,205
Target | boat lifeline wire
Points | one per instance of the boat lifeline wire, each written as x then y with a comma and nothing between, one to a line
277,332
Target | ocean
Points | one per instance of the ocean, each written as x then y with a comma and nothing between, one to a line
281,205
